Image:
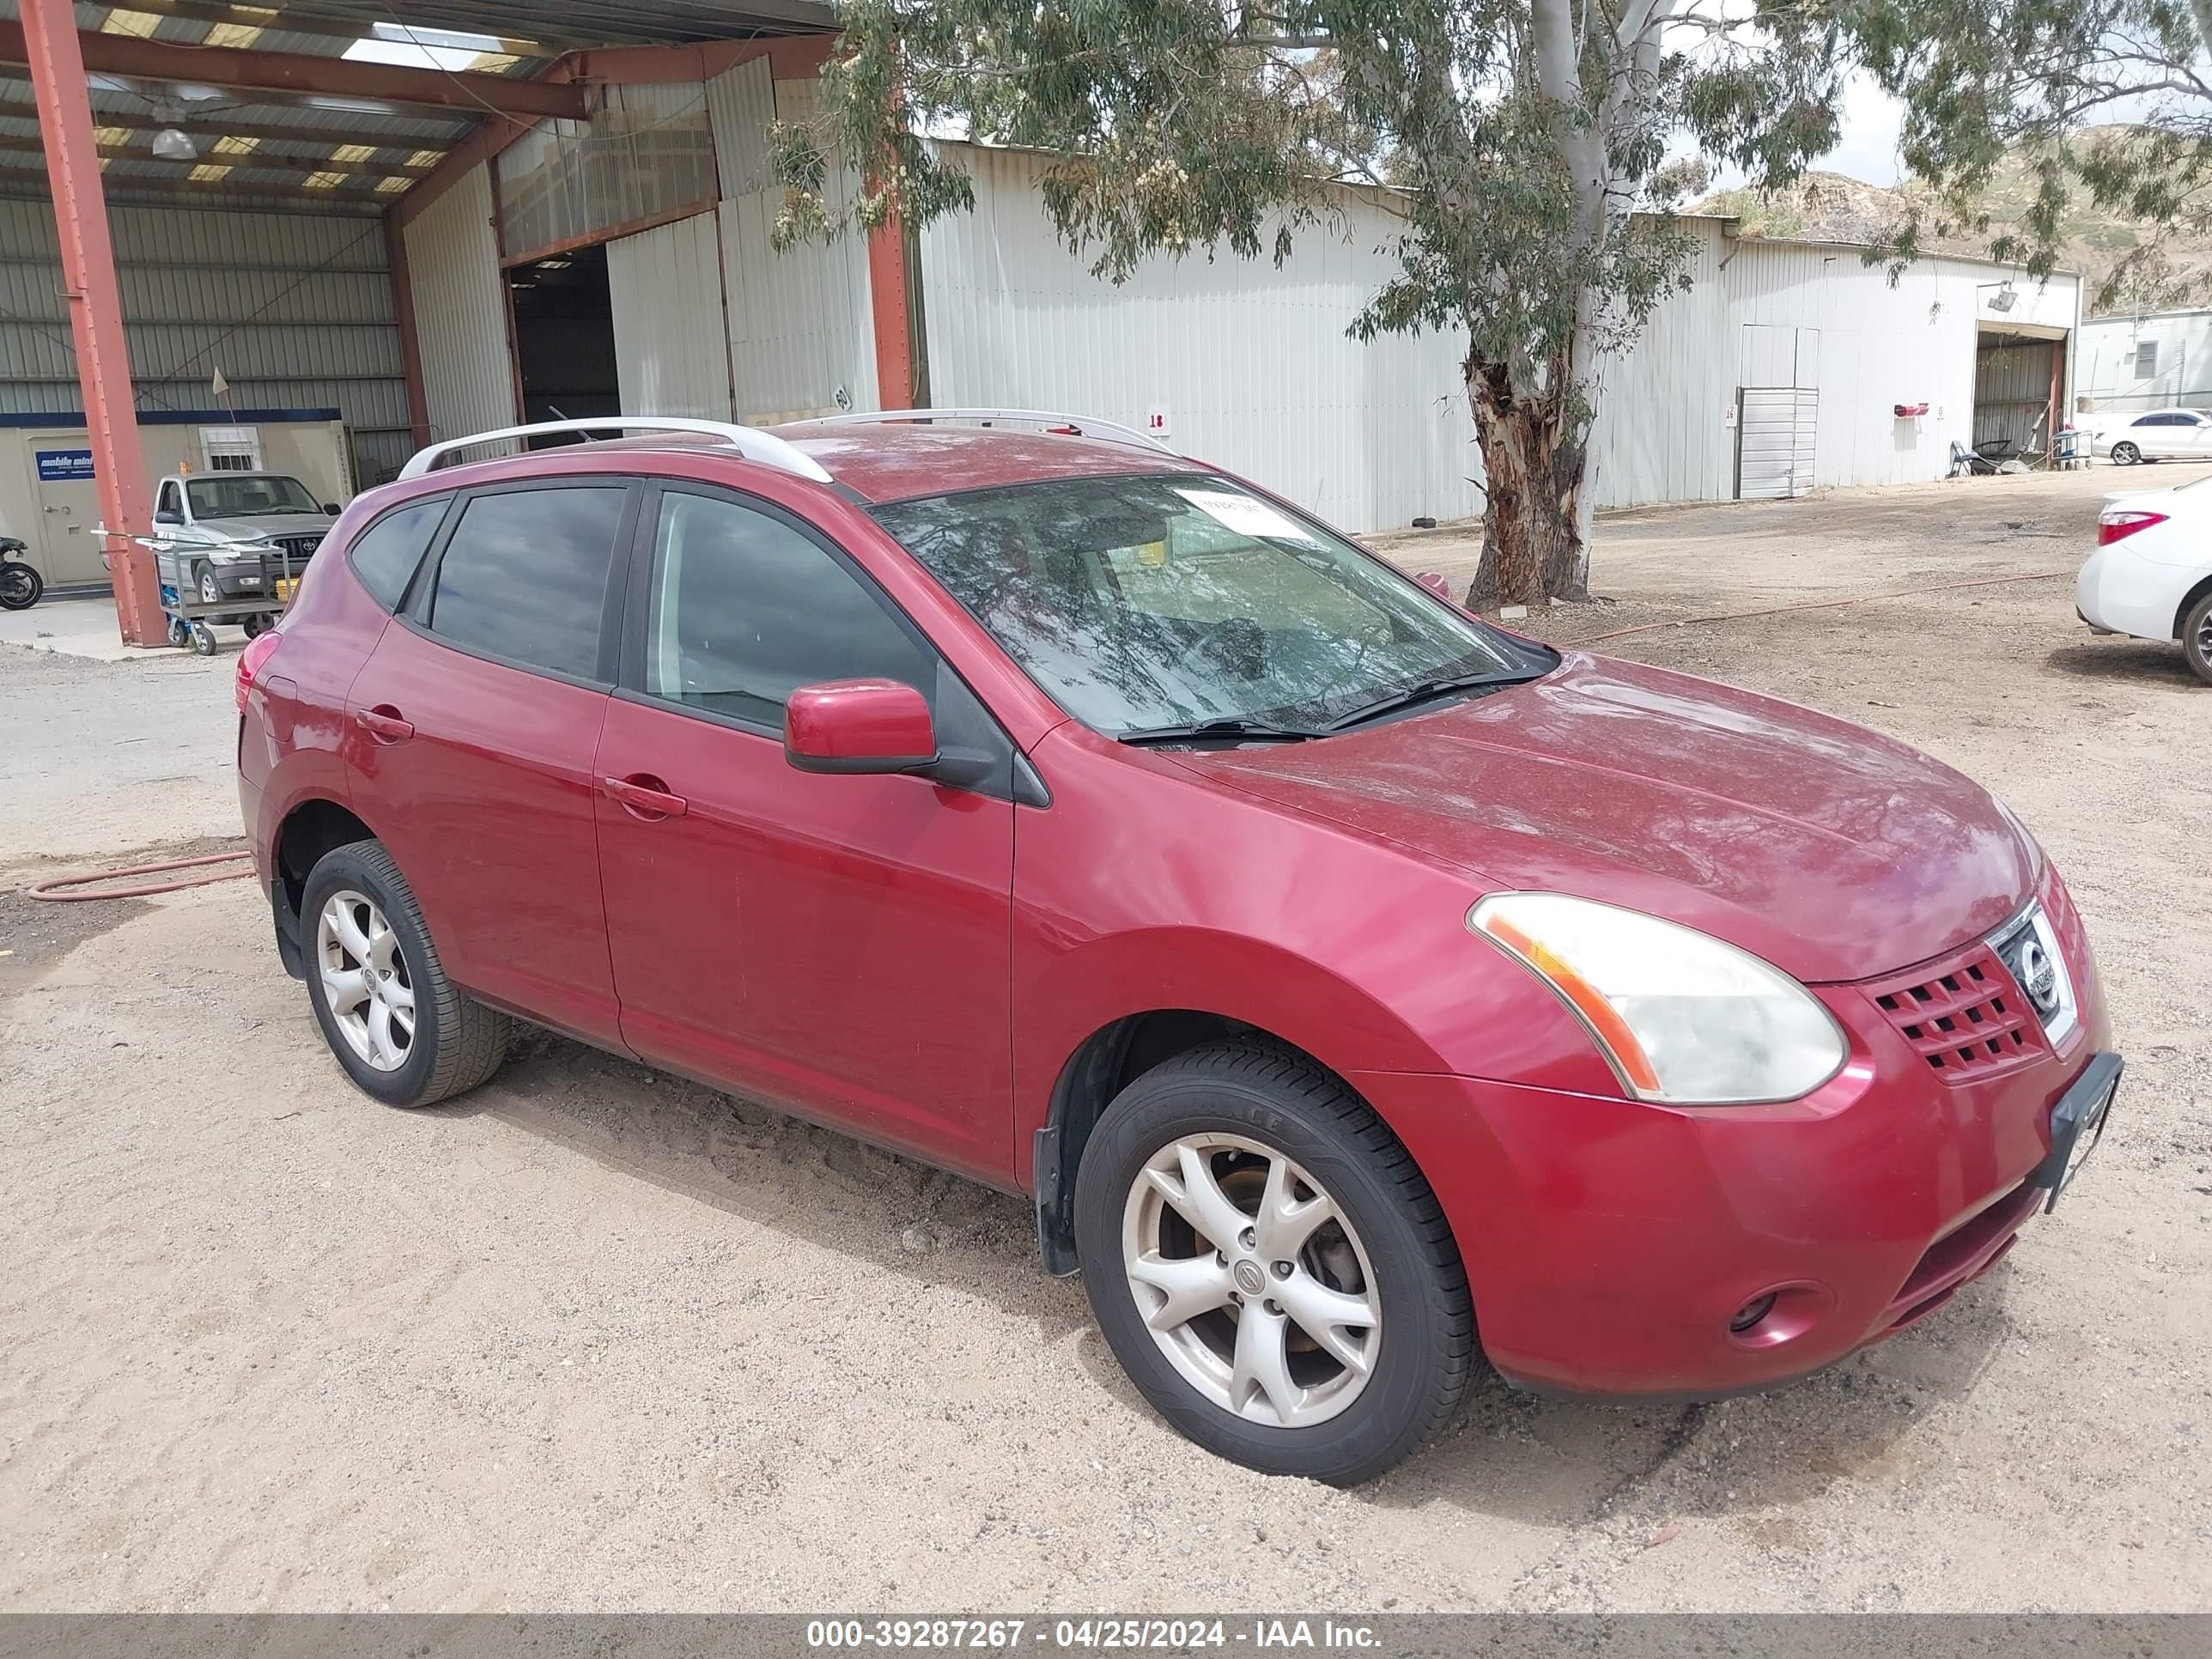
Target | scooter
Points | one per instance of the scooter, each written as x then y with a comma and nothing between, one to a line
20,584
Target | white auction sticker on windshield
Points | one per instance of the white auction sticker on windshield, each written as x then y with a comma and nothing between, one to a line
1247,515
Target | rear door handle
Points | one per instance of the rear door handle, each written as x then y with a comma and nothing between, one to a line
644,797
385,725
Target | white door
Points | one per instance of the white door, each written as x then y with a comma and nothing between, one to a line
1775,429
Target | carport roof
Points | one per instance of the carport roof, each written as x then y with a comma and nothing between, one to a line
318,141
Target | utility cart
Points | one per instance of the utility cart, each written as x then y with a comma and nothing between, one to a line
250,585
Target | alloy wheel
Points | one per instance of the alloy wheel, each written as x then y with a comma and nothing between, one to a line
210,589
1252,1280
365,982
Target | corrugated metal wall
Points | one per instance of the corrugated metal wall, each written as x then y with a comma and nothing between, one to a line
667,289
1252,363
460,311
801,332
646,152
2012,393
295,308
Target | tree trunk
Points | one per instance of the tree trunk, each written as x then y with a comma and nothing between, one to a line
1533,464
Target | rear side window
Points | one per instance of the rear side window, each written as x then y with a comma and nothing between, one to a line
384,555
524,576
745,609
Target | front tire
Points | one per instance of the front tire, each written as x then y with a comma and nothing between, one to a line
402,1032
2197,639
2125,454
1270,1267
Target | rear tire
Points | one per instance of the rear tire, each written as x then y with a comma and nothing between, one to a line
402,1032
1316,1394
2197,639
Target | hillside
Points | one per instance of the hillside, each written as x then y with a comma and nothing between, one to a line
1831,206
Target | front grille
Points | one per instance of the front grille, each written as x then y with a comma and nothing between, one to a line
1964,1016
299,549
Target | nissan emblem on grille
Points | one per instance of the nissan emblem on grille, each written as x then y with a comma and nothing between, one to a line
2037,976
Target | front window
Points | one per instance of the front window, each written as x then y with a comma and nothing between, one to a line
249,495
1176,600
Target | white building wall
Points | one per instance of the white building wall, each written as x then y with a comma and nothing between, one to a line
801,335
665,288
2182,350
1252,363
460,311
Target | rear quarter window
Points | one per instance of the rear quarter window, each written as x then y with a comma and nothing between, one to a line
386,554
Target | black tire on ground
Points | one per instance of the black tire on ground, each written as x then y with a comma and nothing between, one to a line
458,1043
256,626
2196,638
2126,454
1262,1093
202,640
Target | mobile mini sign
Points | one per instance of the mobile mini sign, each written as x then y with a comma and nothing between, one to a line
64,465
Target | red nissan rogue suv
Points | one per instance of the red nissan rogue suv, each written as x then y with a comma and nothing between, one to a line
1353,986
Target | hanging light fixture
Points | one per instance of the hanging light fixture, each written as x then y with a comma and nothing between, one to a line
175,145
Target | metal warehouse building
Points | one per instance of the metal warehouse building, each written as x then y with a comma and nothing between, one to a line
566,211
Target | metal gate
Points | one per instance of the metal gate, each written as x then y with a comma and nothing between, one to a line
1774,440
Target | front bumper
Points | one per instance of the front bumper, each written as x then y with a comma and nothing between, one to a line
1608,1243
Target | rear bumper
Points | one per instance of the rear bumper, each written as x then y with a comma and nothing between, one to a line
2122,592
1608,1243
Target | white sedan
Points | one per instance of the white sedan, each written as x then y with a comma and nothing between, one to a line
2151,575
2156,435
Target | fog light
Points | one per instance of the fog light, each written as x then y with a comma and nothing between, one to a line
1751,1313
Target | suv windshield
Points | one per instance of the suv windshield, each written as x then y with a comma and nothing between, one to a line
1147,603
247,495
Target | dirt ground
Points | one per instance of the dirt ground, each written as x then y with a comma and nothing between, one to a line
594,1339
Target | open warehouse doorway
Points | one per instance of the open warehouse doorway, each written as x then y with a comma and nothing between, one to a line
564,335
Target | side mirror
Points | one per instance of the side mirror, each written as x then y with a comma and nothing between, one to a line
858,726
1437,583
168,517
331,507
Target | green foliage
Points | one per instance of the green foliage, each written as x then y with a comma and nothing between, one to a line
1517,133
2103,104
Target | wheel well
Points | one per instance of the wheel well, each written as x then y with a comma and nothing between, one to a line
2190,598
311,830
1107,1062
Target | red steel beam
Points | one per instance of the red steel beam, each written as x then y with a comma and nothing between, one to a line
49,38
887,302
293,75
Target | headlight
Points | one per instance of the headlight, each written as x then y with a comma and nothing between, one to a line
1682,1017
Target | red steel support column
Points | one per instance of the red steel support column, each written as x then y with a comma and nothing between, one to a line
403,312
887,291
96,307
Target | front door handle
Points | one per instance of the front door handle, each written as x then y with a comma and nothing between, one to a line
384,724
644,797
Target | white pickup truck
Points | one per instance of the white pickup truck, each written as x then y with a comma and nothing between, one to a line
228,520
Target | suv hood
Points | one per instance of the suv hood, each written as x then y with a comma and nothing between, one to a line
1833,852
253,527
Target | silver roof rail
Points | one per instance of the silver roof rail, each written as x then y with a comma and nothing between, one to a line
749,441
1086,426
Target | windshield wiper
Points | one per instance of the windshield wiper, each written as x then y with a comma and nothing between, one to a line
1428,692
1227,726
